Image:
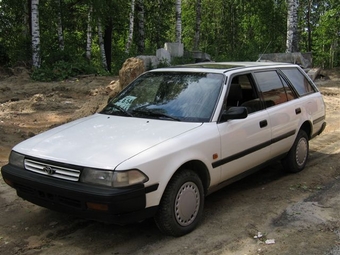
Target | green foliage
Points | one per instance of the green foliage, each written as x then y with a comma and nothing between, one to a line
163,63
230,30
186,59
243,30
14,31
62,70
160,17
327,41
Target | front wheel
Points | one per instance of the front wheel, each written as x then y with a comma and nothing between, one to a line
297,157
181,206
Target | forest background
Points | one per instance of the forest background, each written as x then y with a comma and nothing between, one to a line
56,39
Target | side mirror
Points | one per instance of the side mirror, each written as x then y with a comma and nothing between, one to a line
234,113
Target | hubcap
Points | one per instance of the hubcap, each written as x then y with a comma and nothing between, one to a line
301,152
187,204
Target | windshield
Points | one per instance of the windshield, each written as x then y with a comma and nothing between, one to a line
169,95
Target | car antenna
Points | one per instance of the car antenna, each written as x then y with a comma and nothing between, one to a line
264,52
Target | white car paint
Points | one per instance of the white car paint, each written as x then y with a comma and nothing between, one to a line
101,141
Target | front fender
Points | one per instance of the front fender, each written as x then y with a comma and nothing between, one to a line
160,163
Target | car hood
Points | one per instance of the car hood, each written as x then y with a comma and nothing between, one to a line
101,141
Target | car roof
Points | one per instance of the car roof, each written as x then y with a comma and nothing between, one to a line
220,67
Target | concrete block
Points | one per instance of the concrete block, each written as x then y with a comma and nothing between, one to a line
175,49
150,62
163,56
313,73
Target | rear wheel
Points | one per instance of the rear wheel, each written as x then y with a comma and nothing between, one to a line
181,207
297,157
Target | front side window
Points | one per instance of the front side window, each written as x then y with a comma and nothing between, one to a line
299,81
242,92
169,95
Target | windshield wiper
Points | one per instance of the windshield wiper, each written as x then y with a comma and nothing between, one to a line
121,110
156,114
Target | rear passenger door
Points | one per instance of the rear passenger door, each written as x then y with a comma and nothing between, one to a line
283,110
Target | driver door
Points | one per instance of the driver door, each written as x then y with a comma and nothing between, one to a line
245,143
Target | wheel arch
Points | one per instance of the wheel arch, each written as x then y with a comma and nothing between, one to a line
200,169
307,127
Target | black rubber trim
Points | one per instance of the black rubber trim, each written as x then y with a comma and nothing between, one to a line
284,136
319,120
323,126
252,149
240,154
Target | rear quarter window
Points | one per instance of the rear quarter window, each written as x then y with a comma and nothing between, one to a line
299,81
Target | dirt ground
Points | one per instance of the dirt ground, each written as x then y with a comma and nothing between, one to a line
267,213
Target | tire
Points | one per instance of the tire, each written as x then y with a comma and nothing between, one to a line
297,157
181,206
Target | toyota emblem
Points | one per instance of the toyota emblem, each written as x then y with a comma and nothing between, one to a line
49,170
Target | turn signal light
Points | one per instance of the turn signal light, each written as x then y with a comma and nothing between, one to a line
9,182
97,207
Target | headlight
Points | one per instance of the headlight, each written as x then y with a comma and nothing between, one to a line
113,178
16,159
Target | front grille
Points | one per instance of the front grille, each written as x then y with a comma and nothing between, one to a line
52,170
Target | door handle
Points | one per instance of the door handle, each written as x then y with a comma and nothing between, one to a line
298,110
263,123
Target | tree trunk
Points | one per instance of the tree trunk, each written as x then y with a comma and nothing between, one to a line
141,32
60,27
108,44
36,58
159,31
130,36
178,21
197,25
309,47
26,32
101,45
89,33
292,26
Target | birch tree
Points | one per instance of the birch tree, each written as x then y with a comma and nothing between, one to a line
101,45
36,58
292,26
60,27
108,43
178,21
89,33
131,22
309,11
141,29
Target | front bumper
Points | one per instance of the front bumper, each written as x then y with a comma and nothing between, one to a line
115,205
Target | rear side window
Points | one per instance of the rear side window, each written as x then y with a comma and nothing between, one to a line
299,81
271,87
290,94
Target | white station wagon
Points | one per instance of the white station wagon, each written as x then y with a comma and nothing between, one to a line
169,139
